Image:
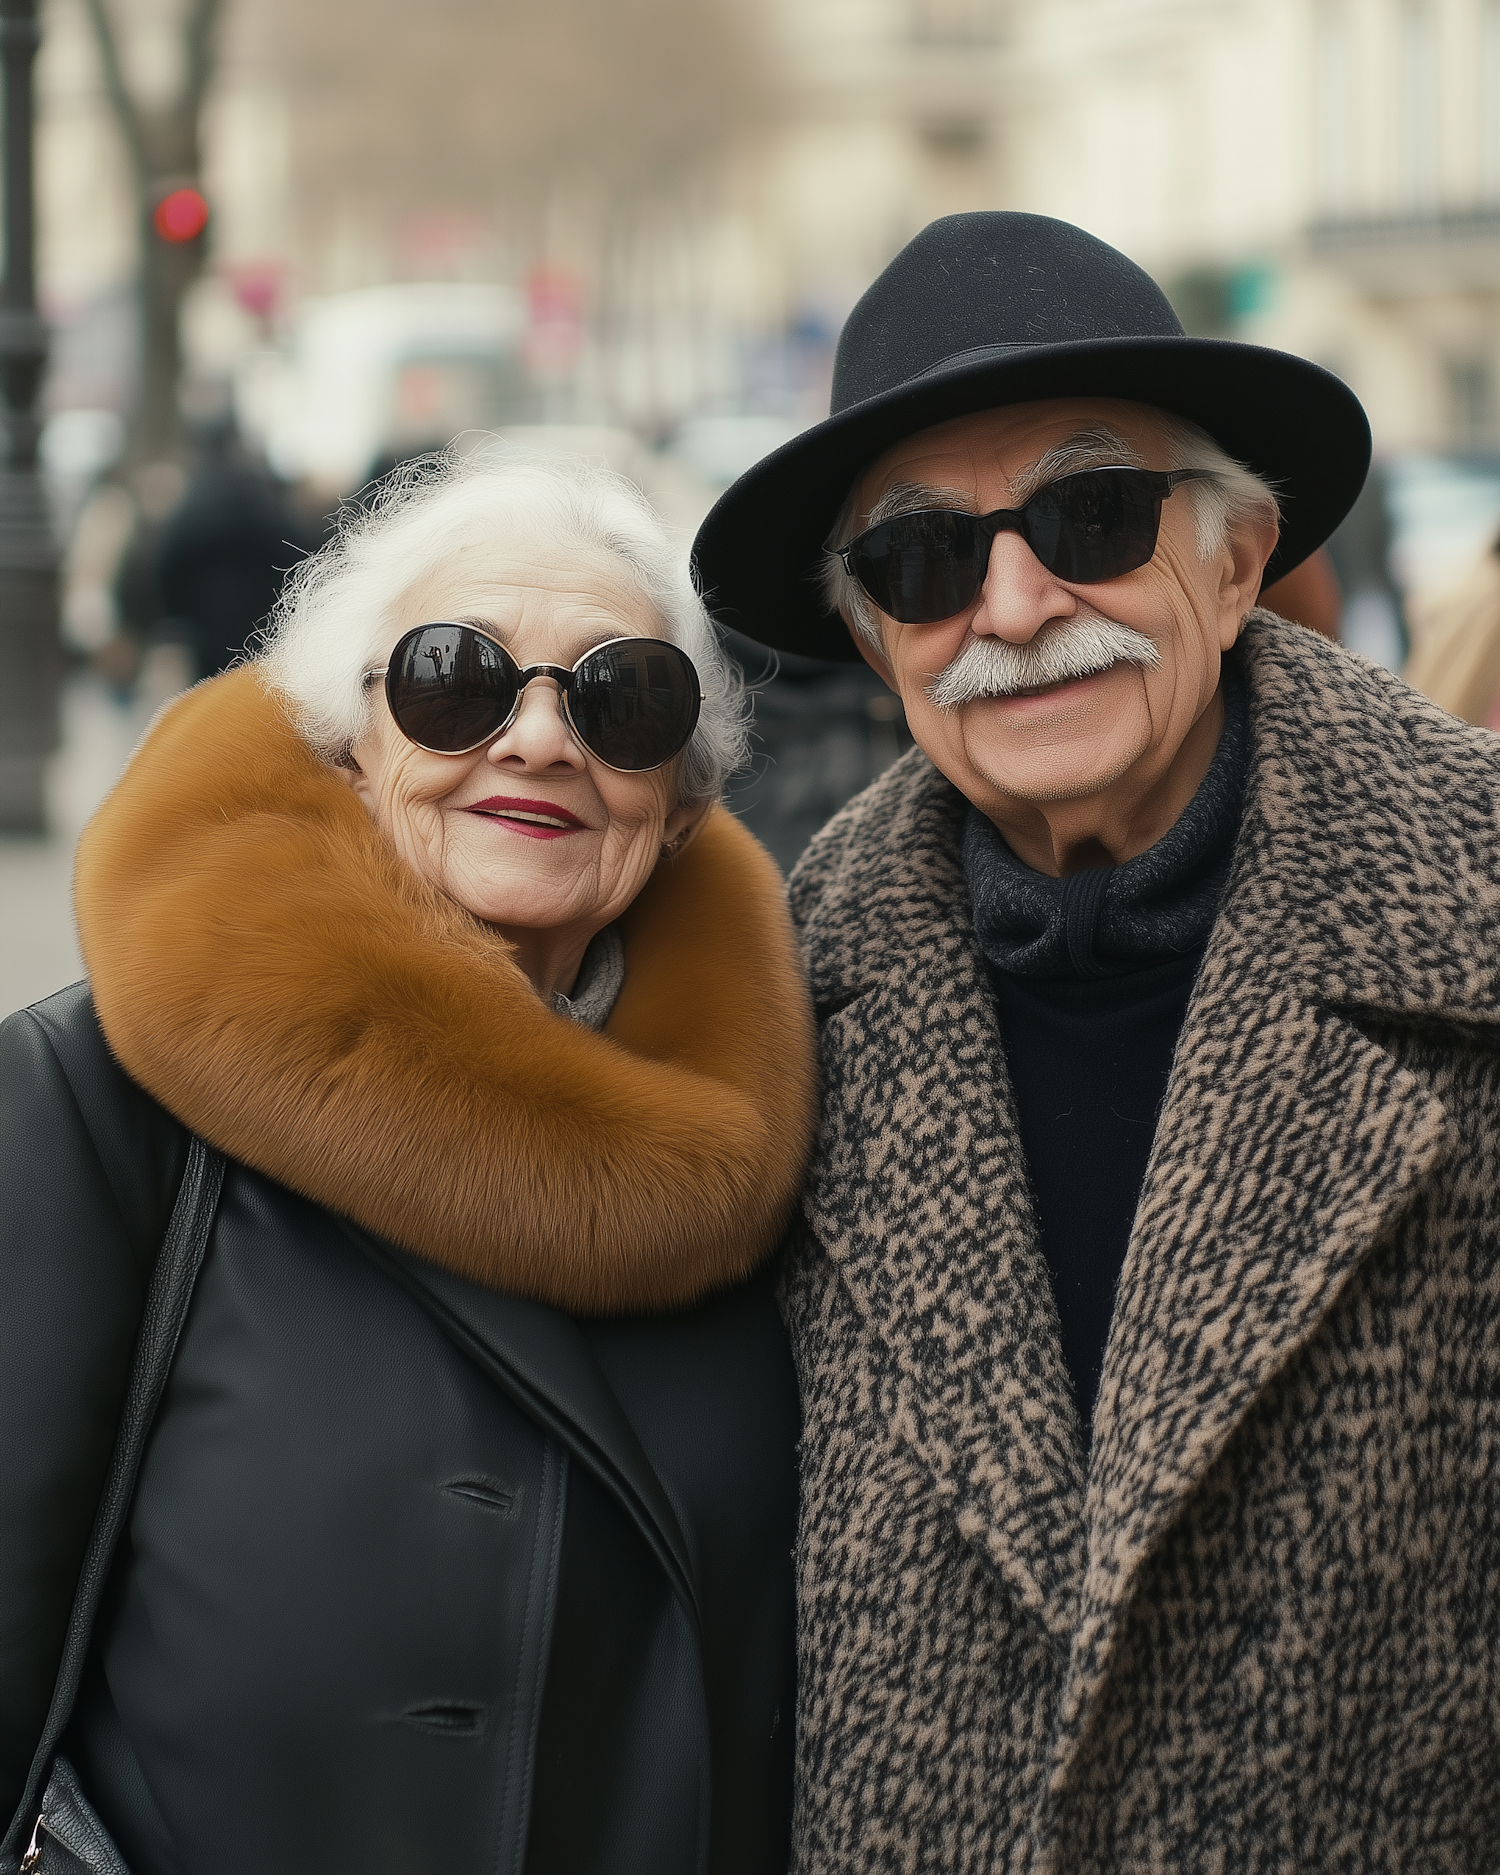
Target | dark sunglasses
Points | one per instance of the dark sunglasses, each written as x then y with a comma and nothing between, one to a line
632,702
1095,525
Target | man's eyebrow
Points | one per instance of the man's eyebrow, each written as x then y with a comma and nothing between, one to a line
1096,448
914,498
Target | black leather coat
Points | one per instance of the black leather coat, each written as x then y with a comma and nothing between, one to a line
418,1577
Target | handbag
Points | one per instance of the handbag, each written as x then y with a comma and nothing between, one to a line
55,1820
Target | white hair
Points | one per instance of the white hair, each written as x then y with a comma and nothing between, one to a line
442,517
1234,496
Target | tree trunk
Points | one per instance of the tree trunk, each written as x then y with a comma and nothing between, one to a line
164,155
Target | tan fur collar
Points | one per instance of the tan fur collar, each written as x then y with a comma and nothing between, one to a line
266,968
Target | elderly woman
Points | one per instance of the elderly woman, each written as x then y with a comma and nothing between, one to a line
461,1538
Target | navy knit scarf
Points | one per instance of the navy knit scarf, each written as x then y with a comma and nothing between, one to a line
1115,919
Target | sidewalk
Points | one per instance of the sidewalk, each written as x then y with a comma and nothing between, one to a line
38,945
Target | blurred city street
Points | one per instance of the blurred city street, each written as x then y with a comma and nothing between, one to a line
38,946
254,300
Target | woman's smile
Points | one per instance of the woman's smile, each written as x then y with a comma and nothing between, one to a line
534,820
547,877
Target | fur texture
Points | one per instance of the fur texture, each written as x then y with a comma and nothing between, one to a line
1260,1629
266,967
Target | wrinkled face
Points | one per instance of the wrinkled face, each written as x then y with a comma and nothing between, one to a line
531,833
1122,724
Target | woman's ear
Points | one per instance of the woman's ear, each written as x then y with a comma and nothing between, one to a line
349,769
681,827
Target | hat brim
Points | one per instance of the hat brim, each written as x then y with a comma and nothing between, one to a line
760,551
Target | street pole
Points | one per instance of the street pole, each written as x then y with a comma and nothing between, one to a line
31,663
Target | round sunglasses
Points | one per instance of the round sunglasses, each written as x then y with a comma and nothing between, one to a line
632,702
1094,525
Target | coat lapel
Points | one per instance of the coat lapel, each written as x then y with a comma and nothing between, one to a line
1356,888
1212,1304
918,1195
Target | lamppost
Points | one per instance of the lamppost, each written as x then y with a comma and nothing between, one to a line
30,652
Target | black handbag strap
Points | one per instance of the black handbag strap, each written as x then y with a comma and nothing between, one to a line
166,1308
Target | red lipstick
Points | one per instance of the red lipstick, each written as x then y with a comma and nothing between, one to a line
534,820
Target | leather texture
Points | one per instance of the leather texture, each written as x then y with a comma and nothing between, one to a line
727,1475
70,1839
396,1542
161,1324
76,1255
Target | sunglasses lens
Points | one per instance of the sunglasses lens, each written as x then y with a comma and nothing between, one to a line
1092,526
450,688
634,703
1095,525
921,567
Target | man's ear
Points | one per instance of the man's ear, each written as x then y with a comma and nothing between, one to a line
1242,565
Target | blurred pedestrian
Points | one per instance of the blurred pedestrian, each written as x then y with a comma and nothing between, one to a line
462,1537
823,732
224,553
154,491
1455,656
1146,1291
1310,595
1373,620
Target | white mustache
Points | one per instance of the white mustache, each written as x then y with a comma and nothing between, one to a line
990,667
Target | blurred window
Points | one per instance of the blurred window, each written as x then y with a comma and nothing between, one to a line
955,22
1417,77
1444,512
1335,108
439,396
1489,99
1469,401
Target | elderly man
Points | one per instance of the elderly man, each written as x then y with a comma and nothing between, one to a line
1147,1305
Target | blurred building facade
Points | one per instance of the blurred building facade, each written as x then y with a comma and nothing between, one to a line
1322,174
648,221
1318,174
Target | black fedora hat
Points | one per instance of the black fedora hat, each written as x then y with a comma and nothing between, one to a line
988,309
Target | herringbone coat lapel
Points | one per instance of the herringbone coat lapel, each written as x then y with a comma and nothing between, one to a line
918,1194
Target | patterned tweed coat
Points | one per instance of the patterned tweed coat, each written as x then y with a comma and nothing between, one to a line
1259,1629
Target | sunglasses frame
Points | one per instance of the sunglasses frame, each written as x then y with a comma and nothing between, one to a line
1159,482
563,677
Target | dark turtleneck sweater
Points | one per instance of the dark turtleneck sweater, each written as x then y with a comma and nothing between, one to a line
1092,975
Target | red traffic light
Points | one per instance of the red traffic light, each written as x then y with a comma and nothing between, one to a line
180,216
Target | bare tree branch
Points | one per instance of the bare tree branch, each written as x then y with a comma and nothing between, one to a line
126,115
198,35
